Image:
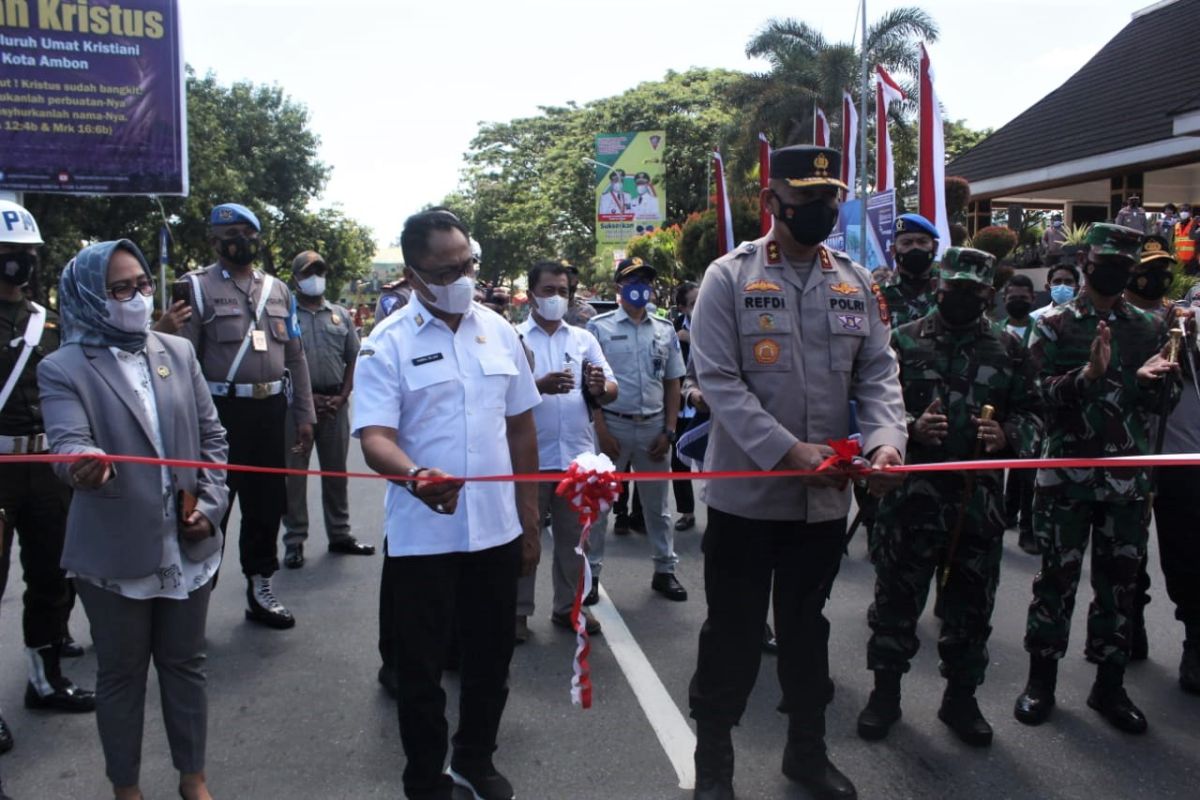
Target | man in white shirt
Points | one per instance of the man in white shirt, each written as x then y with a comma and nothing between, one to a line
615,200
645,205
572,375
445,382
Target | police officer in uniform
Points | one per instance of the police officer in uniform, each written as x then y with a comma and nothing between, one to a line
911,296
638,428
784,333
948,527
331,348
246,337
33,503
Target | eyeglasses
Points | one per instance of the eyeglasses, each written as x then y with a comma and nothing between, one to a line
443,276
123,291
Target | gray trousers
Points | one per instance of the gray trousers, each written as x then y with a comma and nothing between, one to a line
127,634
566,566
331,440
635,439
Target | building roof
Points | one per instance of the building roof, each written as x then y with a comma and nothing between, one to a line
1123,98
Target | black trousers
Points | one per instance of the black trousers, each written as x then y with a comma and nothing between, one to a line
1018,497
740,558
1177,518
35,502
256,437
426,592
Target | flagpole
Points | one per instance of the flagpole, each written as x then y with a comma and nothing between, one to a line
862,142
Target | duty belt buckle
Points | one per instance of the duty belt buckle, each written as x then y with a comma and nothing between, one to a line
260,391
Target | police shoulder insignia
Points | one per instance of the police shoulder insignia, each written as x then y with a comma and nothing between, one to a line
885,315
826,261
760,285
420,320
773,255
766,351
843,288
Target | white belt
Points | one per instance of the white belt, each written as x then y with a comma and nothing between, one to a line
23,445
257,391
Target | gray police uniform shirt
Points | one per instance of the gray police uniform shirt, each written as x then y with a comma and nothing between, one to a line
778,357
330,343
642,355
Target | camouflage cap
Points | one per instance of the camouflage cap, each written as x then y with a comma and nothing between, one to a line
1105,239
967,264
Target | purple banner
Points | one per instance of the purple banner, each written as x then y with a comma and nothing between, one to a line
92,97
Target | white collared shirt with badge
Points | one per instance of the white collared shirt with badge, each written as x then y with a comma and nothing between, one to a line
564,421
447,394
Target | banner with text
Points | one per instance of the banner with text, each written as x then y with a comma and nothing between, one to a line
881,224
92,97
631,197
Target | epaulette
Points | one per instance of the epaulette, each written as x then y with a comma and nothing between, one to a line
605,314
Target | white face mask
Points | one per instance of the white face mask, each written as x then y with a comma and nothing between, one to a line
453,299
312,286
643,189
1184,214
132,316
551,309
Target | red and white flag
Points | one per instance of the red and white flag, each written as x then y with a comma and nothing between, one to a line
931,163
887,91
764,176
820,127
849,144
724,217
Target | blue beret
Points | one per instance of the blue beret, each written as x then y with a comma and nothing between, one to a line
915,223
233,214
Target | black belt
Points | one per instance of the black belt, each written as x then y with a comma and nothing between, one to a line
635,417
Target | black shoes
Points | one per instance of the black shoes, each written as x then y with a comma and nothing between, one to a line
69,648
593,596
590,623
876,719
1028,543
6,737
66,697
685,522
1034,705
293,556
1115,706
1189,667
521,630
961,713
666,584
481,780
621,525
349,546
770,645
263,607
813,770
389,681
714,762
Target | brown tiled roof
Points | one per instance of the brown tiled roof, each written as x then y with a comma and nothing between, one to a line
1124,97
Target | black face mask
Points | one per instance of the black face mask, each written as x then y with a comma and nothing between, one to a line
1152,285
959,307
1108,278
810,223
240,250
1018,309
17,268
914,266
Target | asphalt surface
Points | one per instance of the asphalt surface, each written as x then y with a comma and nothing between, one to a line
298,714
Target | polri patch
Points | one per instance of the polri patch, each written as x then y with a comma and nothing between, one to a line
429,359
766,352
885,316
847,304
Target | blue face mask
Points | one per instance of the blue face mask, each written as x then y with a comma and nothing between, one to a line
1061,293
636,294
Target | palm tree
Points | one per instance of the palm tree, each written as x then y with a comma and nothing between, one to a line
805,67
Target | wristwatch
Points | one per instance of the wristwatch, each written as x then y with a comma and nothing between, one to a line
412,472
671,435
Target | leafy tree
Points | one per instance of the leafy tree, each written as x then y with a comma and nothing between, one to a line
247,143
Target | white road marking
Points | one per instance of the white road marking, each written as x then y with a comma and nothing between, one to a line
668,722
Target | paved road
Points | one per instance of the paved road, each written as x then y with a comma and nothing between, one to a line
298,715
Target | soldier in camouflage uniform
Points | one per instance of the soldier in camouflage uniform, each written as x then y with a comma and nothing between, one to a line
952,363
1100,375
911,295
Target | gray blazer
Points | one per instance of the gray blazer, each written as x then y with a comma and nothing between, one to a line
116,531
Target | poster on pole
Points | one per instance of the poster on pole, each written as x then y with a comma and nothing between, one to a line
881,224
92,97
630,193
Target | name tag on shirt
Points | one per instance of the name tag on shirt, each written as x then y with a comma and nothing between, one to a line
429,359
258,339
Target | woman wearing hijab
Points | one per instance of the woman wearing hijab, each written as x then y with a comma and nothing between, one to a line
141,541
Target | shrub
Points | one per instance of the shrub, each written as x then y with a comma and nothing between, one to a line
997,240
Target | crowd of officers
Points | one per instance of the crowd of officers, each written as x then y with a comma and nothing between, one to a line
792,347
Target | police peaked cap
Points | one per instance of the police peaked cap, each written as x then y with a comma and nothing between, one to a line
803,165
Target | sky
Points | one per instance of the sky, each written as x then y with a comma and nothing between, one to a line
396,89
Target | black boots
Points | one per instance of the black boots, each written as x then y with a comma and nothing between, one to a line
1109,698
806,762
1139,645
714,762
48,689
1036,702
1189,665
883,707
961,713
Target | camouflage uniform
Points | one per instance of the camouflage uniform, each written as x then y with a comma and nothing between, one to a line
966,369
905,309
1110,417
